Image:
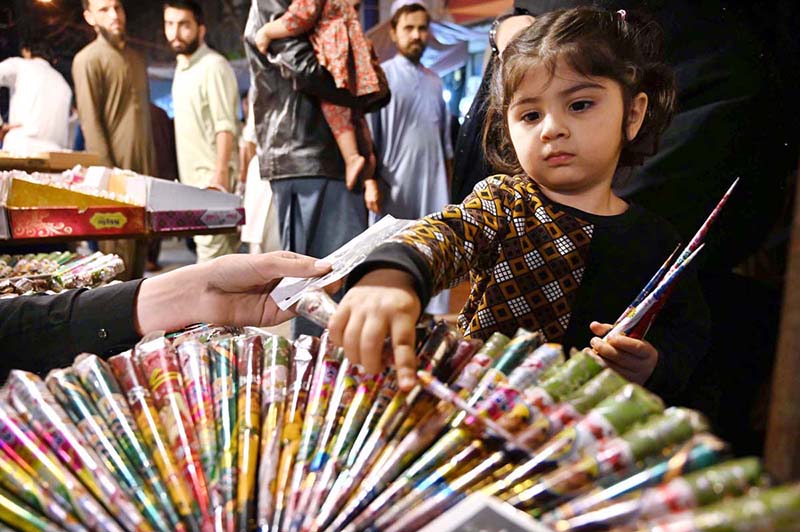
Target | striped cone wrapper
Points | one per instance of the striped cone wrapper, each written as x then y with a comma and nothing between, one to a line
274,389
76,402
224,385
25,448
195,367
159,366
18,478
34,403
249,356
701,451
300,377
152,435
356,412
22,517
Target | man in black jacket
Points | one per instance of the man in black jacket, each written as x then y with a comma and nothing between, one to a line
299,156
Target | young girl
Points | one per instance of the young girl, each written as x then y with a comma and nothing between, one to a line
344,51
547,245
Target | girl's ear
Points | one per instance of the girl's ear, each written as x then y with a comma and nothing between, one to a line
636,114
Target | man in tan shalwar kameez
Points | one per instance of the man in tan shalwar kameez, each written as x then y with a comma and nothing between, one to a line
112,95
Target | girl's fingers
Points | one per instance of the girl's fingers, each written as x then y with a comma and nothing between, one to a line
351,341
338,322
405,359
611,354
600,329
373,335
630,346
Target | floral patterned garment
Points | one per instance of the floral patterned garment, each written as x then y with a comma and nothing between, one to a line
525,257
336,35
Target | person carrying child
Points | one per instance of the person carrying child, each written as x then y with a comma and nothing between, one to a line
547,246
343,49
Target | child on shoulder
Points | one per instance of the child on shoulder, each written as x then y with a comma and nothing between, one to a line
342,48
547,244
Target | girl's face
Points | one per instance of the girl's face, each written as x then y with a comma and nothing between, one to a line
567,131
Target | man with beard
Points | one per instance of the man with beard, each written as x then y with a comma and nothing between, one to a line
112,96
204,96
412,134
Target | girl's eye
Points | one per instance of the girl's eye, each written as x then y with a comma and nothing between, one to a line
581,105
531,116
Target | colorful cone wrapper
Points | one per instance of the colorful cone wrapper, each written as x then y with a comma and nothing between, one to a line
224,389
249,355
699,452
105,393
347,383
301,376
76,402
617,456
575,405
274,389
514,352
145,415
347,433
776,509
34,403
159,366
437,481
19,479
564,379
195,367
612,416
22,517
678,495
23,446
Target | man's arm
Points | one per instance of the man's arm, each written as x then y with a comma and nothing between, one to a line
39,333
89,99
223,97
222,178
42,332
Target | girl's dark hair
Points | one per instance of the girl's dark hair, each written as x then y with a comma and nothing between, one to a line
594,42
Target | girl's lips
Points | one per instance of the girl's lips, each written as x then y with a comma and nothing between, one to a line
557,159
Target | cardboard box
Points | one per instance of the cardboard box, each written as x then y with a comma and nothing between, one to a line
10,161
58,161
50,161
53,222
23,193
173,206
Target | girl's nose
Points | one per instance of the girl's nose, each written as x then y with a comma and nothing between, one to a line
553,127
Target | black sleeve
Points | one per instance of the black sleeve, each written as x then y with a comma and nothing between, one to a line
398,257
681,333
42,332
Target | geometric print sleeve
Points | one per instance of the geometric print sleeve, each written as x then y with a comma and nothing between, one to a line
525,258
462,237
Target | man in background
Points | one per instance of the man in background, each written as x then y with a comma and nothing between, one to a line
316,212
38,116
204,95
412,134
112,94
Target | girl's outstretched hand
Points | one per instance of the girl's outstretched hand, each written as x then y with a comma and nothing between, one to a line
383,303
633,359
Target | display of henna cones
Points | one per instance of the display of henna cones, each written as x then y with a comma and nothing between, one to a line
76,402
153,435
29,396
